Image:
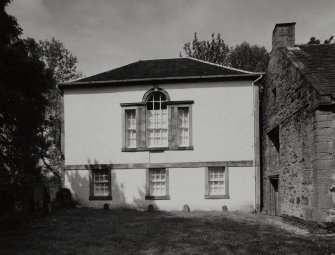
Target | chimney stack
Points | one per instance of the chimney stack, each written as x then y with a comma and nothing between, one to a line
283,35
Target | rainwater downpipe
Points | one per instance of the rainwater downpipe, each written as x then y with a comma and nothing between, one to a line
256,136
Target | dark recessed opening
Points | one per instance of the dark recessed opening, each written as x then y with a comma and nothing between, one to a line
274,94
274,137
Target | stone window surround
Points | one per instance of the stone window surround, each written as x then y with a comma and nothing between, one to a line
91,185
223,196
140,111
150,197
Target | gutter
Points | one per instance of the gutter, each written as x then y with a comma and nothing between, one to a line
256,131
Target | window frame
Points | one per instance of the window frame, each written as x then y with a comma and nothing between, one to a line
226,180
167,183
174,106
92,196
126,127
147,118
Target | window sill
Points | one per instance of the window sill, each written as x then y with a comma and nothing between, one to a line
167,197
100,198
158,149
217,196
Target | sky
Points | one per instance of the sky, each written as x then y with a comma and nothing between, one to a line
105,34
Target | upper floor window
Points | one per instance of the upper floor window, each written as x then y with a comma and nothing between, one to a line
157,119
183,126
131,128
157,123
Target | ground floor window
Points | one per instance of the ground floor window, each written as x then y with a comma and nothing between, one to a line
100,184
217,182
157,183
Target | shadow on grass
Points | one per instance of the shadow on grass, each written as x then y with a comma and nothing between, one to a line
96,231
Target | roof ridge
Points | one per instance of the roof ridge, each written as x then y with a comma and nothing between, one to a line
222,66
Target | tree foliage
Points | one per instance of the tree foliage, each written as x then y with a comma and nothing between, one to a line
63,66
215,50
10,30
249,57
243,56
313,40
59,59
25,83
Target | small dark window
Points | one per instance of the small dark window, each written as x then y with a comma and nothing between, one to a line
274,94
274,138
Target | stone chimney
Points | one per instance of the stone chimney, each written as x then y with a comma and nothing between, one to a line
283,35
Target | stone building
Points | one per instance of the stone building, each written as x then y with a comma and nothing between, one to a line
298,128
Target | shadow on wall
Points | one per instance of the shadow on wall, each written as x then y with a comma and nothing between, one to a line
78,182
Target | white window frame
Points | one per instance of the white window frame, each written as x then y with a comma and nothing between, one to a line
131,142
157,122
103,177
182,129
157,196
215,180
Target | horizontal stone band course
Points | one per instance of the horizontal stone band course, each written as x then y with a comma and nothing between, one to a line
241,163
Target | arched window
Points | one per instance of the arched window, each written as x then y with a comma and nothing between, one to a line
157,119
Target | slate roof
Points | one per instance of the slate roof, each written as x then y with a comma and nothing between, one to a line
162,70
317,63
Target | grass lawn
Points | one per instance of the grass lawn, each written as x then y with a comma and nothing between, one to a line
93,231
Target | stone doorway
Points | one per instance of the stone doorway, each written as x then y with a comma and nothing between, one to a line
274,188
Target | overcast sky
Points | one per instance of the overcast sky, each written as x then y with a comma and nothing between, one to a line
105,34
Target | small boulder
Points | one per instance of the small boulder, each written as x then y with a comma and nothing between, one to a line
224,208
186,208
150,208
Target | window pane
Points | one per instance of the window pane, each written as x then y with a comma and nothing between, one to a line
216,181
157,128
131,128
157,119
101,182
183,121
157,181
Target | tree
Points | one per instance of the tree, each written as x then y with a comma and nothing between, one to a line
25,83
63,66
10,30
60,60
244,56
313,40
215,51
249,57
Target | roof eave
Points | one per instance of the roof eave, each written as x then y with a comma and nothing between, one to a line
85,84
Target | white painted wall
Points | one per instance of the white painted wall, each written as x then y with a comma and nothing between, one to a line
223,130
222,123
187,186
